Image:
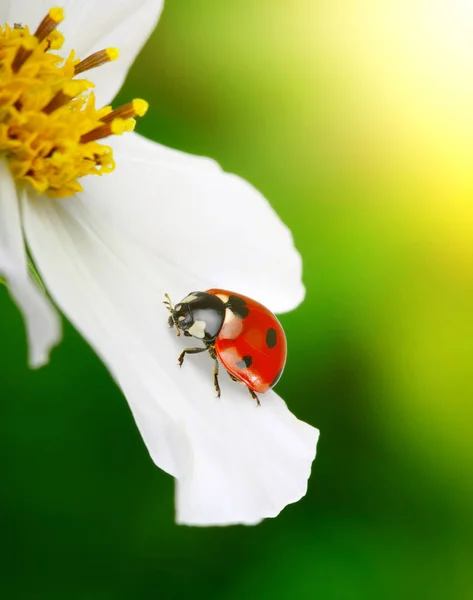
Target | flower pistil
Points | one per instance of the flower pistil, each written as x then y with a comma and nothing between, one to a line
49,125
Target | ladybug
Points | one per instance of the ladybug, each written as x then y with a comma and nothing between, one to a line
243,334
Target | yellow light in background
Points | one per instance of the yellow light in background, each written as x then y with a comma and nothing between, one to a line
405,77
400,125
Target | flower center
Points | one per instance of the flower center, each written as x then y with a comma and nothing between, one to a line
49,126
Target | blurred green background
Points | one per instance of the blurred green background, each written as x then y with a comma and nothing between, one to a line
356,120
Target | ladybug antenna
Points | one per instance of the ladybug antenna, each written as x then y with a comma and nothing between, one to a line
168,304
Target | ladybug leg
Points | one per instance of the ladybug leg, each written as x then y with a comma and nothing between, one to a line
213,354
255,397
252,394
180,360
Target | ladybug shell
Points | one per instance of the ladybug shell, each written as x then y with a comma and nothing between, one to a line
251,343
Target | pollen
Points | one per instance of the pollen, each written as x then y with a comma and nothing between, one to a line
50,127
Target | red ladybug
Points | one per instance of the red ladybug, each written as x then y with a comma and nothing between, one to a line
240,332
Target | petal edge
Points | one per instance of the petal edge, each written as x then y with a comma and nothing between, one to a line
42,322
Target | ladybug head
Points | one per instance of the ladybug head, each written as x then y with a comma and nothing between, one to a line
182,316
199,314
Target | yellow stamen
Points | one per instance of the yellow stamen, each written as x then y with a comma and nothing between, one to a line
45,28
60,99
49,23
96,60
136,108
115,127
49,125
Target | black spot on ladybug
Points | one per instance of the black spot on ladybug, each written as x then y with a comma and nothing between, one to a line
245,362
276,379
238,306
271,337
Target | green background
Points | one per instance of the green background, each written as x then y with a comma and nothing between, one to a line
314,103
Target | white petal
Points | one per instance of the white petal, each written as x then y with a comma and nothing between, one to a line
42,322
90,26
234,463
4,11
208,223
137,147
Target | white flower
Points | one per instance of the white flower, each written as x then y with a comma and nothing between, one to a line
163,221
